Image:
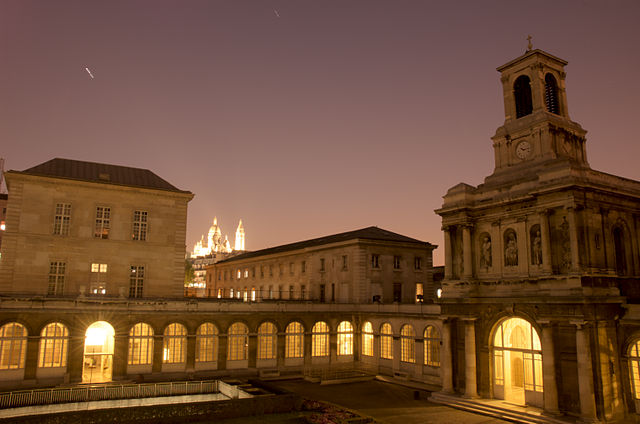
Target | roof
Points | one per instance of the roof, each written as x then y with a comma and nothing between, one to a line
100,173
368,233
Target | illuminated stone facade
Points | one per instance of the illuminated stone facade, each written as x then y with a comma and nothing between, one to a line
542,263
353,267
81,228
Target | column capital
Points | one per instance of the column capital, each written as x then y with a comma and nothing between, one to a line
545,212
579,323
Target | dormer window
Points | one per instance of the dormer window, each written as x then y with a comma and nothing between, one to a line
522,94
551,94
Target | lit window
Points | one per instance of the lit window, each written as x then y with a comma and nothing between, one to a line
431,346
253,294
320,339
231,293
367,339
386,341
98,283
238,341
175,344
140,225
345,338
408,344
294,336
419,293
375,261
13,346
140,344
54,342
239,274
246,273
136,281
396,262
206,344
56,278
634,362
103,222
62,219
267,336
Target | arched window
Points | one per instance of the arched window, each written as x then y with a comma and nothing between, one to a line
140,344
522,94
175,344
386,341
13,346
634,368
431,346
54,342
207,343
408,344
294,337
619,248
238,342
551,94
267,335
320,339
367,339
345,338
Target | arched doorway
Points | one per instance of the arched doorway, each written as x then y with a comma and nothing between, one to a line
97,365
517,363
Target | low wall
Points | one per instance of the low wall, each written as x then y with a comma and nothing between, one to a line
173,413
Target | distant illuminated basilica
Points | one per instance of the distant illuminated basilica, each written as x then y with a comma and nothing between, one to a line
216,244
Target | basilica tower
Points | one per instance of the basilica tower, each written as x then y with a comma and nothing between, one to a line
239,245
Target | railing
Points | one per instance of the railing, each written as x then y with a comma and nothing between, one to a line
341,372
106,392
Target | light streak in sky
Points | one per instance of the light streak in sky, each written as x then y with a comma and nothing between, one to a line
276,12
89,72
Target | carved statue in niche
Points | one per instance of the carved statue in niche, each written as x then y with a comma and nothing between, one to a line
511,248
536,245
565,243
485,252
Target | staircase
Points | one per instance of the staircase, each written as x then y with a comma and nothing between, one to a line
496,408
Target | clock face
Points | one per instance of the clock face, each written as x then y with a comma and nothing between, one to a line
523,150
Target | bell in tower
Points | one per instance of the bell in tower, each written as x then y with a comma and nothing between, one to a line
537,128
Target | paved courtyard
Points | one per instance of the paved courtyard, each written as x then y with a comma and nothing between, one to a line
386,402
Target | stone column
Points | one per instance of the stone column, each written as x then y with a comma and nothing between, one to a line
573,238
446,360
549,370
397,353
252,351
307,346
448,259
585,374
223,341
546,242
467,271
470,384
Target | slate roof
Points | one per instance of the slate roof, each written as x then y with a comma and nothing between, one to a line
100,173
368,233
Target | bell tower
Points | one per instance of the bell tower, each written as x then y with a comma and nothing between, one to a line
537,127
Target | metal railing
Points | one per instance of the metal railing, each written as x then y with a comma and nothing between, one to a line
105,392
340,372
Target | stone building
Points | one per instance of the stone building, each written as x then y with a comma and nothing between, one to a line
542,263
86,228
361,266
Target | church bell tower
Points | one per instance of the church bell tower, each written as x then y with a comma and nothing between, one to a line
537,127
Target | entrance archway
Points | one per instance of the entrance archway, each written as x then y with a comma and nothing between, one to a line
97,365
517,363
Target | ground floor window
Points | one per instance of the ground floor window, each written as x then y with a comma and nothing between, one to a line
206,343
54,341
320,339
238,342
140,344
175,344
431,346
408,344
294,336
386,341
345,338
13,346
267,336
367,339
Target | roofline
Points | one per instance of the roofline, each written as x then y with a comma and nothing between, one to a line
290,247
531,53
32,174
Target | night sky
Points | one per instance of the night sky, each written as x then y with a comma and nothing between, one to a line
305,118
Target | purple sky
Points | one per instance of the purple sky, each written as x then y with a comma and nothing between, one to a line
332,116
